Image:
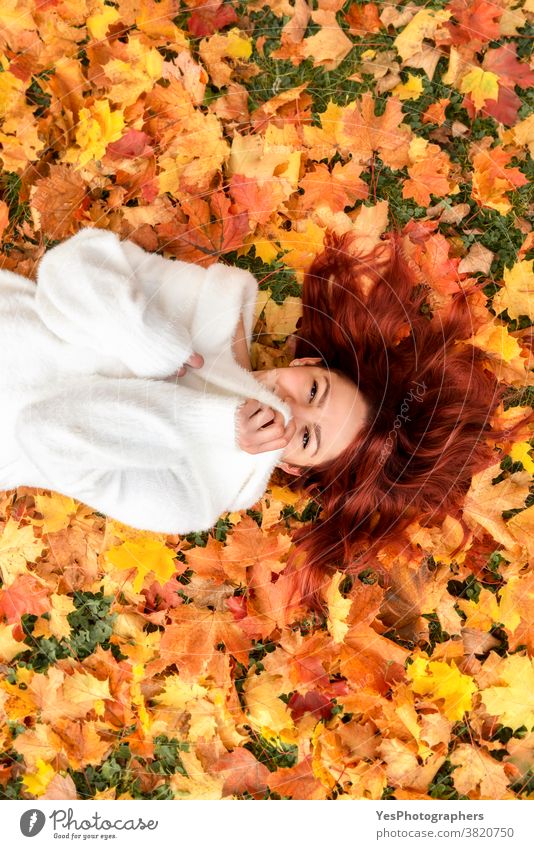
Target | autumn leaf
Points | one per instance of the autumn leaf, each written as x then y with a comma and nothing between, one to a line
517,294
485,502
481,85
512,700
265,710
443,681
338,608
428,174
25,595
477,771
364,132
493,179
242,773
143,557
98,126
37,783
412,89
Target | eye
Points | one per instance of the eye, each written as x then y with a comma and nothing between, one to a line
314,386
306,434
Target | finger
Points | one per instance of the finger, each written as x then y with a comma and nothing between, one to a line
278,433
278,426
261,415
251,406
273,445
274,429
181,372
195,360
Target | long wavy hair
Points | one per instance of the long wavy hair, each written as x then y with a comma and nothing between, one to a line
430,401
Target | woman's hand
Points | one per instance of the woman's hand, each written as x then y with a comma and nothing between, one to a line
260,428
195,361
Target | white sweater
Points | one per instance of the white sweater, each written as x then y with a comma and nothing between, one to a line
91,404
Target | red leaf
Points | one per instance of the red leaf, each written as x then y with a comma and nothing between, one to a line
503,61
25,595
312,702
209,18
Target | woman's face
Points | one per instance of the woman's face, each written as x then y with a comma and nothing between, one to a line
328,408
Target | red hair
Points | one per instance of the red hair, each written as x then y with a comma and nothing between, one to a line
407,462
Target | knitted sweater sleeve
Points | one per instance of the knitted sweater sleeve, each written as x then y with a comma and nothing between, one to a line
118,423
136,450
88,294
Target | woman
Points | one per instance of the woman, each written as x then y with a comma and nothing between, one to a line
97,401
92,404
101,406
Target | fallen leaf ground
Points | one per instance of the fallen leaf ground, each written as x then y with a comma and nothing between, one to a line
136,665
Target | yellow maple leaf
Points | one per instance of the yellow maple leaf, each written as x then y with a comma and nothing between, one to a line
284,494
97,127
57,623
326,755
37,783
178,693
85,692
412,89
266,712
239,45
98,23
324,138
423,25
56,511
512,701
265,250
338,609
281,319
196,783
302,243
521,527
517,293
20,702
18,547
144,555
481,85
496,342
9,646
523,133
520,452
481,614
441,680
11,89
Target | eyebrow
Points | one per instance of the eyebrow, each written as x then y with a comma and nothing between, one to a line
317,427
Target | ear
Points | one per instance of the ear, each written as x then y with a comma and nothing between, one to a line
306,361
289,469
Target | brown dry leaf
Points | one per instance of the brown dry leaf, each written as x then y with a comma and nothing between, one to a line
363,132
242,773
485,503
410,593
478,258
478,775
